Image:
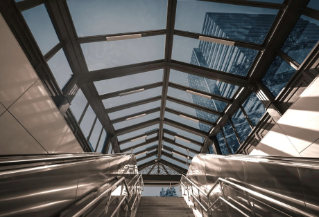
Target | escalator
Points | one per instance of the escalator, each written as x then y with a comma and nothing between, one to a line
242,185
69,185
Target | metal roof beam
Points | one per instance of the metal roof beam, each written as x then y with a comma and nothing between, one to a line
185,128
249,3
150,111
141,144
147,156
180,145
137,126
191,116
183,137
135,137
174,167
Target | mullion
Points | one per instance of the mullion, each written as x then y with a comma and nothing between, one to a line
183,137
191,116
83,113
93,125
227,145
172,142
98,141
234,129
246,116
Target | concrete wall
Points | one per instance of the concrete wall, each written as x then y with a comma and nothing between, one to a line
30,123
297,131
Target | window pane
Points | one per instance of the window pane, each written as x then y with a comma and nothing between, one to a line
222,143
60,68
243,23
142,148
302,38
198,100
179,149
78,103
87,121
231,59
102,142
241,124
136,121
96,17
137,132
146,160
254,108
174,162
203,84
314,4
186,134
231,137
187,122
278,75
95,134
41,27
129,81
109,54
134,110
121,100
169,136
130,144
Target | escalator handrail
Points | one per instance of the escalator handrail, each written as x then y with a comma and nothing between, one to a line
251,192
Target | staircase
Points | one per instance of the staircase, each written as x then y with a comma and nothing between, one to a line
163,206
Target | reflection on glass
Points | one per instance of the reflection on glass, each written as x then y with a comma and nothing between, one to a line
134,110
95,134
128,123
243,23
254,108
195,99
278,75
60,68
96,17
125,99
231,137
87,121
78,103
129,81
230,59
41,27
109,54
222,143
146,160
186,134
314,4
241,124
175,162
100,147
137,132
187,122
302,38
191,111
203,84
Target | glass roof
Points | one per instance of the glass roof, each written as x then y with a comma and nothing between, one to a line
127,59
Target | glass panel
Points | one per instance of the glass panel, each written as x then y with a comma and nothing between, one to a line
95,134
152,136
142,148
243,23
231,59
179,149
121,100
314,4
193,124
146,160
222,143
124,124
175,162
302,38
169,136
78,103
231,137
109,54
113,16
254,108
203,84
137,132
41,27
241,124
102,142
191,111
278,75
186,134
136,142
87,121
134,110
110,149
60,68
129,81
198,100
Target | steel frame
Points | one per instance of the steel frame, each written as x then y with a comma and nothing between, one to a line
288,14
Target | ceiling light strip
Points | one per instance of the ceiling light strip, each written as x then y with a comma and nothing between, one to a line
177,137
198,94
241,90
131,92
145,152
142,137
227,108
137,116
123,37
192,119
215,40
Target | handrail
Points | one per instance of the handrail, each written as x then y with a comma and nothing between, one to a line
111,189
251,192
